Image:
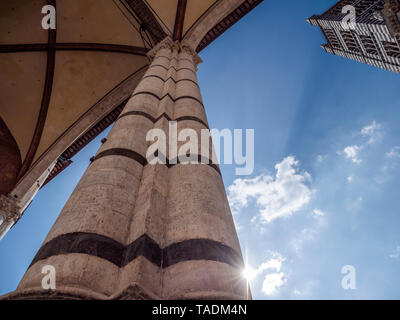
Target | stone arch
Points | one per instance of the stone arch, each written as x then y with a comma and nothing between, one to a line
10,159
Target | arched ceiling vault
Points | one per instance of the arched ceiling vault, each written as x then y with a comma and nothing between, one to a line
60,88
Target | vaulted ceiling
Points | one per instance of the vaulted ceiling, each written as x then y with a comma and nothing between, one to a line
52,80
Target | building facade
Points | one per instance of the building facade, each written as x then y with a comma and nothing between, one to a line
374,37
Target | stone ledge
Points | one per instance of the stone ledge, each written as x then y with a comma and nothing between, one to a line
58,294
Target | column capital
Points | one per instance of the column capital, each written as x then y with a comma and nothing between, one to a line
168,43
189,49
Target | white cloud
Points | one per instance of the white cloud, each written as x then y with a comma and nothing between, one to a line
372,131
272,282
276,196
318,213
354,206
296,292
306,234
307,289
396,254
321,158
391,162
352,153
394,153
309,233
273,279
237,224
350,179
274,263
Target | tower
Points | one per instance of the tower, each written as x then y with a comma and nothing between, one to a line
374,38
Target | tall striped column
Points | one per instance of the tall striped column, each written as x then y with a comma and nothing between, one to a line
136,230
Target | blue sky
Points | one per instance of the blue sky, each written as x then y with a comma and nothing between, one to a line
324,192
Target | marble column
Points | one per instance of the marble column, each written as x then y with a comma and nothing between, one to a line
137,230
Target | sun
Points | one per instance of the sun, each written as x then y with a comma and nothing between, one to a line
249,273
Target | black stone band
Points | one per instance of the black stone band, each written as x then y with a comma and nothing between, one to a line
141,113
167,95
180,59
170,78
122,152
143,161
154,120
184,118
200,249
172,67
198,158
120,255
85,243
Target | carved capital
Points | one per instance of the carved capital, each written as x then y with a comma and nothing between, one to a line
168,43
176,46
188,49
9,209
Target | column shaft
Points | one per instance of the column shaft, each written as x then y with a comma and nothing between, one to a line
133,230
